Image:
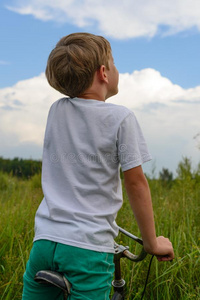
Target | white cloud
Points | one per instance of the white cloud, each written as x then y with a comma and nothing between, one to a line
23,110
168,114
116,18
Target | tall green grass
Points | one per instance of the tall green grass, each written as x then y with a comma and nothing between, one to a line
18,203
176,209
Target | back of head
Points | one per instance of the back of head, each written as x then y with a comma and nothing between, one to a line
75,59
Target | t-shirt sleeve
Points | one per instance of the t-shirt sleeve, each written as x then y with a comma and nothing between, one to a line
132,148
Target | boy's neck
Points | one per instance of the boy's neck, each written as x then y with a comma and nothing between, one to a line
96,91
92,96
99,90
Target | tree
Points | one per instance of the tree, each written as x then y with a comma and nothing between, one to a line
184,169
197,138
166,176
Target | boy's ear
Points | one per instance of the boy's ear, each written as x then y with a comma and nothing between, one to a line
102,73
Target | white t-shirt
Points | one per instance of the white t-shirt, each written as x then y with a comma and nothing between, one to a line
86,142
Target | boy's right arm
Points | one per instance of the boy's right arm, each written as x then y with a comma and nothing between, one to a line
140,200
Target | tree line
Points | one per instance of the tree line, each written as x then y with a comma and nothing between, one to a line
26,168
22,168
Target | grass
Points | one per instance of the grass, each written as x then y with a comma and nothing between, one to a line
18,203
176,209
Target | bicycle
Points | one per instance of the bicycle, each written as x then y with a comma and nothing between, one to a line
59,280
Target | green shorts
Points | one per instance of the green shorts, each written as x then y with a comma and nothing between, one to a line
89,272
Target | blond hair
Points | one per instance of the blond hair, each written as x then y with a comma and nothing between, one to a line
75,59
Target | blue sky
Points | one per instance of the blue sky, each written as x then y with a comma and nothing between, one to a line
157,47
26,43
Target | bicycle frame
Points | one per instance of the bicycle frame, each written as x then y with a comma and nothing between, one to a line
58,280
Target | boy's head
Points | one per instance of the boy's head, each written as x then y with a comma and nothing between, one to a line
75,59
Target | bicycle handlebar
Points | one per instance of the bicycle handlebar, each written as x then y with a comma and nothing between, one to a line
124,252
134,257
132,236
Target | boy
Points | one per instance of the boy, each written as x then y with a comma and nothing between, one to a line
86,141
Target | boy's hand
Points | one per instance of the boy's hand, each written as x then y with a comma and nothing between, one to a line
163,250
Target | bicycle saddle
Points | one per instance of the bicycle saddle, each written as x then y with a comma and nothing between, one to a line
54,278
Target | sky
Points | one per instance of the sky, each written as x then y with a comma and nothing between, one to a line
156,48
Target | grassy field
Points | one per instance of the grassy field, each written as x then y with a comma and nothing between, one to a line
176,208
